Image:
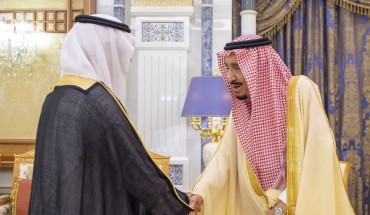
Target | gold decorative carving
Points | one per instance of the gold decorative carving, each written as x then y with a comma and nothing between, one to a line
163,3
163,162
23,165
10,147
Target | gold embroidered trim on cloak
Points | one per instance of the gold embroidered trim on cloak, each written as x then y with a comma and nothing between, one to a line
86,83
141,141
292,147
255,183
352,6
280,23
83,83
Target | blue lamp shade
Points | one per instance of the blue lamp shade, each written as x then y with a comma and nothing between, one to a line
207,96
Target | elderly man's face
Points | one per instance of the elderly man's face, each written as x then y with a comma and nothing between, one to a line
236,78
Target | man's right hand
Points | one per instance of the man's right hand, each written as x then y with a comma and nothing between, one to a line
195,201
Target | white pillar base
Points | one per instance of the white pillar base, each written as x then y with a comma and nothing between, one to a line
248,22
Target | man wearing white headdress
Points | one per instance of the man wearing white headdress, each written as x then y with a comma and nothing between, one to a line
89,158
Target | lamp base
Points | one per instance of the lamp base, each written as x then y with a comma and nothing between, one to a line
208,151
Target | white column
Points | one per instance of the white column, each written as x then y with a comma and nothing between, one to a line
162,43
248,17
248,22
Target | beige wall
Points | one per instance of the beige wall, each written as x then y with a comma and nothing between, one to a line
23,90
27,4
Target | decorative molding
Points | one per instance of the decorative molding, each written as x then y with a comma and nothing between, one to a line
176,174
162,11
163,32
50,21
11,147
179,173
162,2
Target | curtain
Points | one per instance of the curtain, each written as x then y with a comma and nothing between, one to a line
356,6
329,41
273,15
331,45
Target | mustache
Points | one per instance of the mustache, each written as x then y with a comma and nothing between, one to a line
236,83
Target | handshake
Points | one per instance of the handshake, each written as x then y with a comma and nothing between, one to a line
195,202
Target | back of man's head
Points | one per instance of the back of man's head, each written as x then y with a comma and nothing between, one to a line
99,47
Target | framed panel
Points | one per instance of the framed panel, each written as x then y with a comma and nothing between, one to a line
50,15
9,16
61,16
40,16
76,13
60,27
40,26
30,16
50,27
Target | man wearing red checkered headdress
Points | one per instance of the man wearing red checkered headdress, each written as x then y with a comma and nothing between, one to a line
278,153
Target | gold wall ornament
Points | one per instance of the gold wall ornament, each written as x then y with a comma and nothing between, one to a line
162,3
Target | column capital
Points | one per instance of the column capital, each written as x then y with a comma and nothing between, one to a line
162,11
162,3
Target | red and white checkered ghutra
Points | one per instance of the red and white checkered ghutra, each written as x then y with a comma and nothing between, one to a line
260,122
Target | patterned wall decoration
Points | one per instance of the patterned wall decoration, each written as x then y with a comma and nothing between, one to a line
162,2
176,174
162,32
50,21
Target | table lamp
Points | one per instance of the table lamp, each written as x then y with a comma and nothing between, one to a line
209,97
